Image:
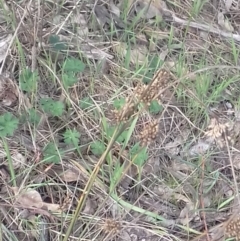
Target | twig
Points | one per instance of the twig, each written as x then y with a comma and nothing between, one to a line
204,27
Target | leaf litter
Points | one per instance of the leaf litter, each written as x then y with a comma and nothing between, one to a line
177,163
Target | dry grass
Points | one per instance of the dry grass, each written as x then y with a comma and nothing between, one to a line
125,127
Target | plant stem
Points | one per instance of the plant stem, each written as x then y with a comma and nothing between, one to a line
10,163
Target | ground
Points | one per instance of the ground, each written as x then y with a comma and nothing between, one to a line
119,120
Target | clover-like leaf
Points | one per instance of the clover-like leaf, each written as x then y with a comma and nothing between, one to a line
73,65
56,43
138,154
51,154
54,108
69,79
97,148
71,137
28,80
121,138
119,103
8,124
155,107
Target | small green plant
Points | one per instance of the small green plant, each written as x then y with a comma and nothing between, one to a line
56,43
155,107
71,137
8,124
197,6
121,138
138,154
28,80
97,148
52,107
154,63
33,116
71,67
51,154
69,80
119,103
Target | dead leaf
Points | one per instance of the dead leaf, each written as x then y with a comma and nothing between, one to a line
120,49
236,160
80,24
90,207
93,52
5,40
224,22
178,165
139,54
28,198
196,44
149,9
18,160
114,9
187,214
68,175
200,148
228,4
8,90
52,206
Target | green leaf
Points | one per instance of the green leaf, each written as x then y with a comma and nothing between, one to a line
121,138
138,154
69,79
73,65
148,72
56,43
97,148
51,154
85,103
54,108
155,107
119,103
116,176
28,80
71,137
33,116
8,124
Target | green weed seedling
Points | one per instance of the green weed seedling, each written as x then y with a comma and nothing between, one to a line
97,148
155,107
119,103
28,80
56,44
52,154
139,155
8,124
71,67
71,137
52,107
33,116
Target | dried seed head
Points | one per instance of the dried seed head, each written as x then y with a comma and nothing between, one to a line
111,226
218,131
233,229
149,133
148,93
126,112
66,203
